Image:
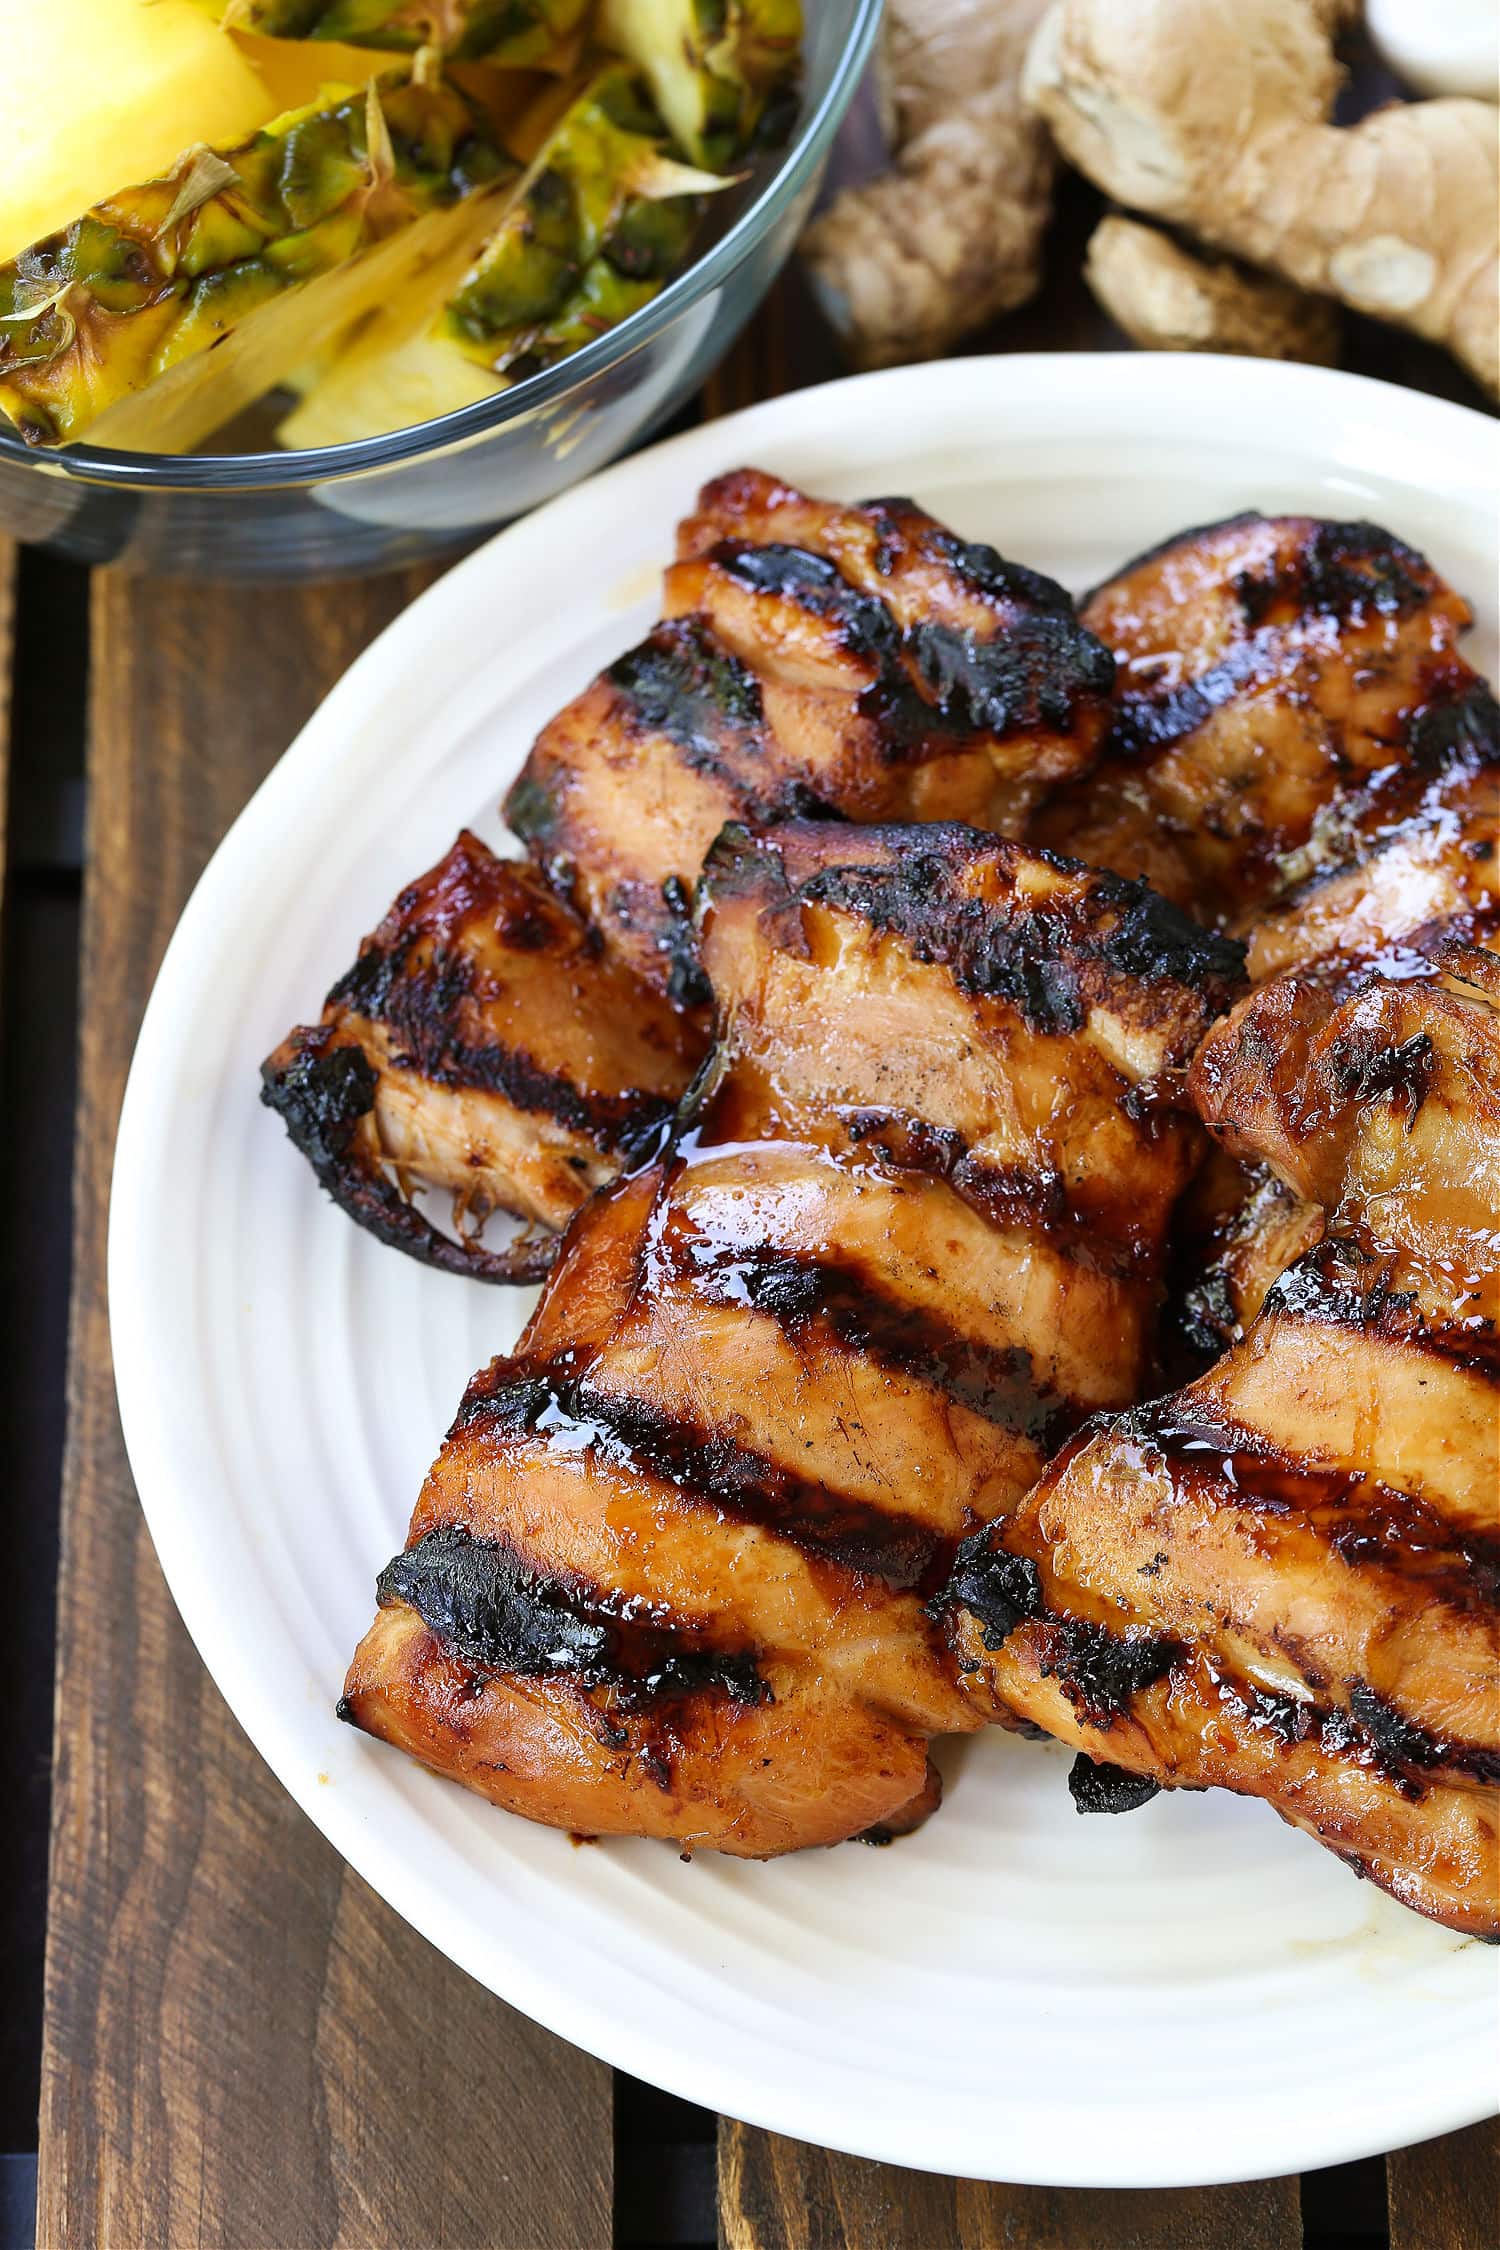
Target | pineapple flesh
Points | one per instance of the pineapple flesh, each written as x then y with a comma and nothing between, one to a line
168,306
391,244
602,218
713,66
98,92
515,34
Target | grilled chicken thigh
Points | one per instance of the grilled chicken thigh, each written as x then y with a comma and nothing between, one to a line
1268,669
668,1574
814,658
1302,756
1282,1579
482,1043
1413,849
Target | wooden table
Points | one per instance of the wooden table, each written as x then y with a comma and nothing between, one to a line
245,2048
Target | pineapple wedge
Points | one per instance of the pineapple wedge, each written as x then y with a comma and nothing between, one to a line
109,327
601,219
712,65
516,34
98,91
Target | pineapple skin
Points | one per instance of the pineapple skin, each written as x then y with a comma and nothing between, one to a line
578,248
163,272
516,34
715,67
585,212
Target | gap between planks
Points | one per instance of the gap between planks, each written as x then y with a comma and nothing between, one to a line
777,2194
243,2046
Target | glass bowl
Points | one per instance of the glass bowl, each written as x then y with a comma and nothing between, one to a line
420,491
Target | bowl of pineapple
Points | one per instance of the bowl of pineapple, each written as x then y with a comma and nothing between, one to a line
303,287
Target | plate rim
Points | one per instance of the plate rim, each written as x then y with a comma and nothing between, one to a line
1062,382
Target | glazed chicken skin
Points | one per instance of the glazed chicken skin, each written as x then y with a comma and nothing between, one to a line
1267,670
484,1044
1301,754
1284,1579
814,659
668,1575
1416,866
1412,849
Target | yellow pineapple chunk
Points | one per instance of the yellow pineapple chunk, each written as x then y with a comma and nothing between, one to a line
294,74
98,93
387,370
187,403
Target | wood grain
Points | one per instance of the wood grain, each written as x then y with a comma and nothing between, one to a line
777,2194
243,2047
1445,2195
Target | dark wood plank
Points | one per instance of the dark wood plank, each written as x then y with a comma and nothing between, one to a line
777,2194
786,347
243,2047
1445,2194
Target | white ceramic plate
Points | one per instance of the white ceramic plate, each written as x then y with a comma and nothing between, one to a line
1189,1994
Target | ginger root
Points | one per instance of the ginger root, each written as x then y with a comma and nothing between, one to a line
950,236
1214,115
1170,299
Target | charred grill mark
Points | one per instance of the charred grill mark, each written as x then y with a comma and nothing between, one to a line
845,1301
1037,960
1099,1788
1154,940
322,1092
865,626
683,683
615,1122
532,811
1101,1672
1343,1284
490,1607
1342,571
1030,677
1007,1195
1147,723
1427,800
1408,1755
988,572
1346,572
1368,1731
1366,1523
687,986
1364,1069
417,1003
1402,1744
1461,735
997,1587
1030,672
631,1435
